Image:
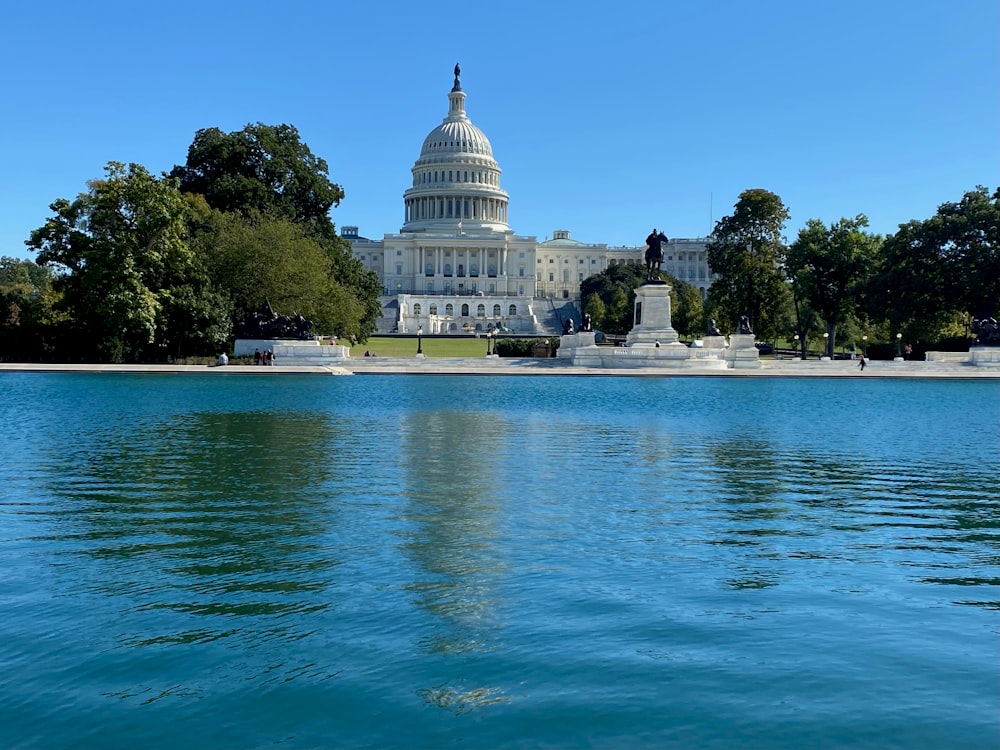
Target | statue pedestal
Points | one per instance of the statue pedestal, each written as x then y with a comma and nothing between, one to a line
985,356
652,316
742,354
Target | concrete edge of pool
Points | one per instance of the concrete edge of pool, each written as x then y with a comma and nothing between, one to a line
545,367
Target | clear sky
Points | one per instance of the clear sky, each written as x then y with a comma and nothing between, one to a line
606,119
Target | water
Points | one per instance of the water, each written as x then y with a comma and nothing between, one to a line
498,562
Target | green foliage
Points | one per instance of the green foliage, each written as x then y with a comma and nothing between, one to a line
944,266
29,324
122,254
610,296
828,266
746,251
687,314
262,168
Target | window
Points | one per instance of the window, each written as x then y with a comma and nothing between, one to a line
520,271
399,269
399,253
481,311
433,309
416,309
447,269
429,269
496,311
552,277
465,311
512,310
449,309
461,269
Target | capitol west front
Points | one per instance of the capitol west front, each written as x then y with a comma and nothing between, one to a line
456,266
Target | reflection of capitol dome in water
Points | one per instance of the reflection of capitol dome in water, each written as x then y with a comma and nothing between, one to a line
456,179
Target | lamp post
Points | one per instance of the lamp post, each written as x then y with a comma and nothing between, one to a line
795,339
826,346
420,332
864,346
489,342
899,352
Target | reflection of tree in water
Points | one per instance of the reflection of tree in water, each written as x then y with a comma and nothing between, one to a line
452,515
215,514
749,489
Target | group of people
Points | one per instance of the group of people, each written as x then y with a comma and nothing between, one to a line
263,358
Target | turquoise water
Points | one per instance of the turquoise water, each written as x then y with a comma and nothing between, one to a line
497,562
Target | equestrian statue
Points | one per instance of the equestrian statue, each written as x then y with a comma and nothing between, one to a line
654,255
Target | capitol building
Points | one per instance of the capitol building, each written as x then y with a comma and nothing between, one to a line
456,266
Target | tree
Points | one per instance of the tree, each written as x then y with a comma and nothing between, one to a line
122,253
29,326
263,168
264,173
257,257
746,251
828,265
943,269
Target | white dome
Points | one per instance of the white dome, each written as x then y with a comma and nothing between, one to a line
456,179
455,136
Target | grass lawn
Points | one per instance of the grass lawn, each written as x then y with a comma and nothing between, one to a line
399,346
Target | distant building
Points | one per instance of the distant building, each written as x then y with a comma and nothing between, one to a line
456,266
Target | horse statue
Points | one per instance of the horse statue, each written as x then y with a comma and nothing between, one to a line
654,254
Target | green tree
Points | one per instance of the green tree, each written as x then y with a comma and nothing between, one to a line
263,168
941,270
829,265
29,325
747,251
687,313
266,172
257,257
121,252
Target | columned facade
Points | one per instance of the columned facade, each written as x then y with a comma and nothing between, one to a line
456,266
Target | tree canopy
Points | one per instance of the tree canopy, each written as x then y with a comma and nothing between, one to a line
746,251
124,264
828,265
944,268
262,168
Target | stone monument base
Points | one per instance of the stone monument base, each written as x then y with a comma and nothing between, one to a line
742,354
985,356
294,352
652,314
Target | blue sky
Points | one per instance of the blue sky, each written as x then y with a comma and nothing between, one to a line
606,121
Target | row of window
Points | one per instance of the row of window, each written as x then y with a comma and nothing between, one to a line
449,310
482,178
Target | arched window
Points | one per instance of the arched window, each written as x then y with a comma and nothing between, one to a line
461,269
433,309
465,311
449,309
492,269
429,268
496,311
447,269
512,310
416,308
481,311
473,269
